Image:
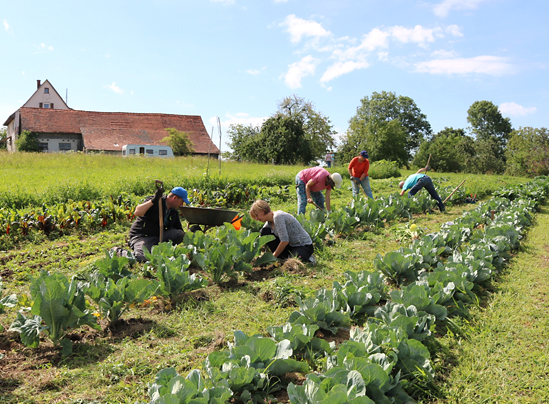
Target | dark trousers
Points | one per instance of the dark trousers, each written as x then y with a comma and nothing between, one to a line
302,252
427,183
139,243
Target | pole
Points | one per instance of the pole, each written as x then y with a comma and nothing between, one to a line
209,150
219,127
160,184
428,161
453,191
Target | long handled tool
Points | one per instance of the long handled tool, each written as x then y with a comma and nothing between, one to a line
318,207
160,185
453,191
428,161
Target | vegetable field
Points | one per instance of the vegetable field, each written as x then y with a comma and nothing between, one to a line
218,319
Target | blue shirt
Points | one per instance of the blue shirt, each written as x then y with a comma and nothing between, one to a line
412,180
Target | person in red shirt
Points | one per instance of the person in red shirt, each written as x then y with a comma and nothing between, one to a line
358,170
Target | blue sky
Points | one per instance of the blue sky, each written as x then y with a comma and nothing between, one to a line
236,59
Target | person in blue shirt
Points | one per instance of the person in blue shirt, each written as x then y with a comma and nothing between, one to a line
416,181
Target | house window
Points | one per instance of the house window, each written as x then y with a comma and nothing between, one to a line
46,90
46,105
64,146
162,152
51,105
40,105
43,147
131,151
150,151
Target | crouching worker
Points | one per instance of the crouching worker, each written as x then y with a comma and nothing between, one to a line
145,231
291,239
416,181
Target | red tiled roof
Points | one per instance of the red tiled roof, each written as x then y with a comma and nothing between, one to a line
104,130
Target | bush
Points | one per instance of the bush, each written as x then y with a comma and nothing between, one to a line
27,142
384,169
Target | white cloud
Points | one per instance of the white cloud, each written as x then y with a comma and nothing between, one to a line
240,118
514,109
443,9
418,34
454,30
490,65
341,68
298,28
255,72
115,88
296,71
7,27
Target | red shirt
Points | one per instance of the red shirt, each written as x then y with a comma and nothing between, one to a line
357,168
318,175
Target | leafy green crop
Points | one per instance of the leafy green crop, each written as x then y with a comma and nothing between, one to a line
60,304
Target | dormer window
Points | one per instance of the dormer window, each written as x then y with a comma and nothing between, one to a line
46,105
46,90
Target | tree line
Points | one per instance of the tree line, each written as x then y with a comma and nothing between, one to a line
393,128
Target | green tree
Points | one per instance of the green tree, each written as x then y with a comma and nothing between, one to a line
317,127
179,141
527,152
3,138
27,142
487,124
245,142
443,148
283,141
387,107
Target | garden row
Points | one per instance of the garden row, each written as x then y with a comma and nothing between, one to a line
387,359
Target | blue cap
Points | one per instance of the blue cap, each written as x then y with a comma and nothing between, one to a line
364,154
182,193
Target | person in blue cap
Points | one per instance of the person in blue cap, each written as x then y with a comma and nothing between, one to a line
145,231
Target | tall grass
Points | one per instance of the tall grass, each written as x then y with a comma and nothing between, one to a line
36,178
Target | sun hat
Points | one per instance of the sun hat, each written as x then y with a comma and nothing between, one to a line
182,193
336,177
364,154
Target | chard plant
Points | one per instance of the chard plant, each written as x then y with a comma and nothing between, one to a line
58,303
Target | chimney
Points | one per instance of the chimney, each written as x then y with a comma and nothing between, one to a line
37,84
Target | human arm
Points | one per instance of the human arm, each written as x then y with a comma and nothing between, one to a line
328,191
403,192
366,169
142,208
308,187
421,170
281,246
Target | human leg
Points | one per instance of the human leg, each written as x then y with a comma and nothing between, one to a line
356,186
318,198
138,244
174,235
302,252
301,196
365,183
433,192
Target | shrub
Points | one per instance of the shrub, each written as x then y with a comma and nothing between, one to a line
27,142
384,169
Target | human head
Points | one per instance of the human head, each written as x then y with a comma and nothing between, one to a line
401,184
259,206
176,198
336,180
364,154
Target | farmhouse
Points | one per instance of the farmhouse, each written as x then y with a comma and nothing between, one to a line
61,128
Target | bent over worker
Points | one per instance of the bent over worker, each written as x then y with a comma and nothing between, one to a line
145,231
358,170
416,181
309,185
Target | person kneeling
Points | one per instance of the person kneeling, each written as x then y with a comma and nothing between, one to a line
291,239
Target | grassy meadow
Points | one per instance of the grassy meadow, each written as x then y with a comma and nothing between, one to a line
495,358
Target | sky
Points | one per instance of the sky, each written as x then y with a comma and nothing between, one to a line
237,59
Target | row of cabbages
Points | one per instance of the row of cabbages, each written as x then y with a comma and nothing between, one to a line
384,360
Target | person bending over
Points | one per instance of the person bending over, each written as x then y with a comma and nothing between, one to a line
291,239
416,181
309,185
145,230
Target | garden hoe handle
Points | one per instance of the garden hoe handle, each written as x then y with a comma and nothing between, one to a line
428,161
318,207
160,185
454,191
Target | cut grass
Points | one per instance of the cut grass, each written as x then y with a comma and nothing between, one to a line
505,357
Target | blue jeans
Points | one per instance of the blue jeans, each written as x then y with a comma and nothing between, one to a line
329,163
427,183
317,196
365,184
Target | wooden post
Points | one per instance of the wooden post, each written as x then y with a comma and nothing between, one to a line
454,191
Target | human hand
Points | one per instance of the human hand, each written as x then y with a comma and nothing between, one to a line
157,195
310,200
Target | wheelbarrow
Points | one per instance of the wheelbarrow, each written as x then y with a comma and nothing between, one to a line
208,217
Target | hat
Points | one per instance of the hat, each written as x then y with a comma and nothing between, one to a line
336,177
182,193
364,154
